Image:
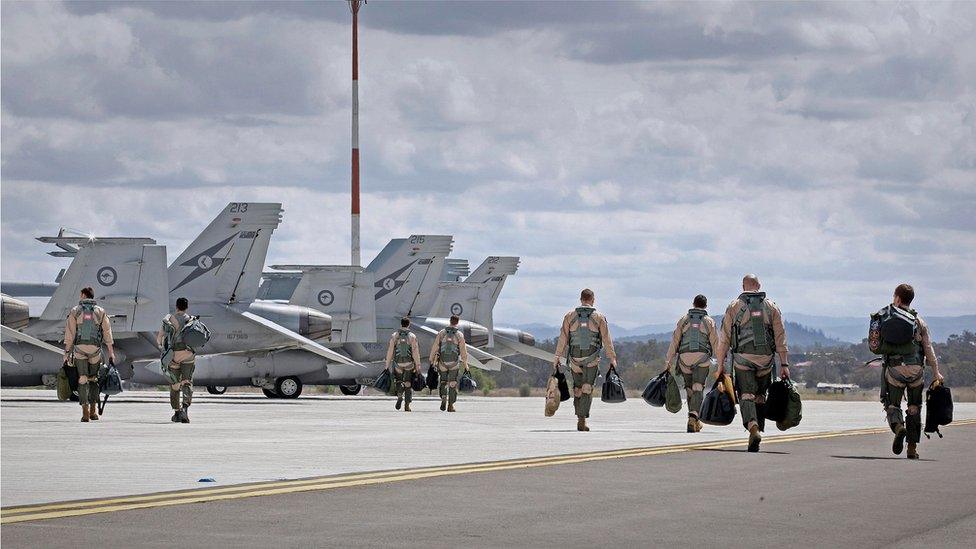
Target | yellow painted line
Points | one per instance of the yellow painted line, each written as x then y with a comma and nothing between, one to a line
79,508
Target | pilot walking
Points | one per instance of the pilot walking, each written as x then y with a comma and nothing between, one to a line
693,343
583,335
180,360
902,337
448,353
85,330
405,353
753,330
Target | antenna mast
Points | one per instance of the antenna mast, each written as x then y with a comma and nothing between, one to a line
354,6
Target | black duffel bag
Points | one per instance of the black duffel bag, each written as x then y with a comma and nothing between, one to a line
418,382
656,391
613,388
433,377
717,407
467,384
777,400
938,408
563,385
384,382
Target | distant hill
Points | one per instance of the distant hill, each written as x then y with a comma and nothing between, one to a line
853,329
801,329
796,334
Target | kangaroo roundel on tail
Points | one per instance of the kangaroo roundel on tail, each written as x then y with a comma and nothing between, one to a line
225,262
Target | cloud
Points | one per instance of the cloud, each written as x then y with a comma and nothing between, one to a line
652,151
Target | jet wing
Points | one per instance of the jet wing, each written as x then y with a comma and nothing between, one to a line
523,349
475,353
9,334
300,341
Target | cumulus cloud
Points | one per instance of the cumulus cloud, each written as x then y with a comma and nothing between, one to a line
649,150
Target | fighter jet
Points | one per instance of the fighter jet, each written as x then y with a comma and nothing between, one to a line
253,343
411,277
128,276
218,273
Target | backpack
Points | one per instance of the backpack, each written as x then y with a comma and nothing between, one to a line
583,341
695,338
195,334
189,333
403,351
893,332
755,337
449,350
938,408
89,325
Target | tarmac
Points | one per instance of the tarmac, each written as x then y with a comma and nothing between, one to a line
352,471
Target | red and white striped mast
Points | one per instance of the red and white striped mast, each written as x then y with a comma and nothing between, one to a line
354,6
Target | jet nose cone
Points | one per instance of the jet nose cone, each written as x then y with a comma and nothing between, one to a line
475,334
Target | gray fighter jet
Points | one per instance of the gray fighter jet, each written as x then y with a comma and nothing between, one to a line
219,273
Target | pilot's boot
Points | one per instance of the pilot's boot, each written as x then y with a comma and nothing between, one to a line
450,407
399,402
899,443
443,404
754,438
912,450
176,416
581,424
85,414
93,412
693,425
406,407
183,417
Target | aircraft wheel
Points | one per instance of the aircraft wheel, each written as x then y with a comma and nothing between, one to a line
216,389
350,390
288,387
270,393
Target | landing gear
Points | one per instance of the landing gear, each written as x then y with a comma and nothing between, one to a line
288,387
350,390
216,389
270,393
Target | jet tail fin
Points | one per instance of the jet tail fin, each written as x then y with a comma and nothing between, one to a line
475,298
343,292
407,271
225,262
127,274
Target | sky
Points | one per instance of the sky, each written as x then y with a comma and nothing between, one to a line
649,151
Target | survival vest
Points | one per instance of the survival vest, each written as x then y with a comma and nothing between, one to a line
583,341
894,334
755,337
89,323
403,351
450,348
695,338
